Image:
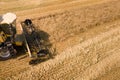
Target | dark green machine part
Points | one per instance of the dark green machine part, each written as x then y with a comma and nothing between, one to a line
35,47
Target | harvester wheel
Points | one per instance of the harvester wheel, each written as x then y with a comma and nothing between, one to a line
5,55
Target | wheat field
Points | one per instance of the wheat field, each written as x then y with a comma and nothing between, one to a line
84,33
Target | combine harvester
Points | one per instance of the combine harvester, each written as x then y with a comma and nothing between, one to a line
29,39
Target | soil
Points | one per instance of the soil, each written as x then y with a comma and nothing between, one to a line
84,34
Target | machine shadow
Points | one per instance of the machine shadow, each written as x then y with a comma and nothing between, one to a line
44,41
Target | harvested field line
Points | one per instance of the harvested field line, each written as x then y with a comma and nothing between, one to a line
79,59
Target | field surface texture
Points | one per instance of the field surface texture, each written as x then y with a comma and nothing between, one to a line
84,33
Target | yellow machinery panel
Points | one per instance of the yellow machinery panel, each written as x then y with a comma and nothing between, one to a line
3,37
19,39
